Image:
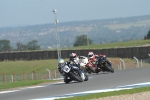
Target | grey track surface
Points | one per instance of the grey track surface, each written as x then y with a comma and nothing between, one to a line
96,82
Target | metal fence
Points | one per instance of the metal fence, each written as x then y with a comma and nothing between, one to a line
5,78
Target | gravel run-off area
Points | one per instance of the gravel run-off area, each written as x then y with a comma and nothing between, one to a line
136,96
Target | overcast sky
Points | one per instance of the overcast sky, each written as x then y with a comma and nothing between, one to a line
32,12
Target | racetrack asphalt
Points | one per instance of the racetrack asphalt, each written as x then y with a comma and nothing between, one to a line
96,82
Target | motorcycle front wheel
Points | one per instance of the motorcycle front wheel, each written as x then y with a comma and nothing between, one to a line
67,80
76,75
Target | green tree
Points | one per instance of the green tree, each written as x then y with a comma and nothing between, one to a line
32,45
148,35
82,40
21,47
5,46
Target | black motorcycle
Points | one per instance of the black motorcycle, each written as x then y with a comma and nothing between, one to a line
104,65
73,73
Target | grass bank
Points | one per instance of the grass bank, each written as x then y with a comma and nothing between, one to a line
18,67
113,45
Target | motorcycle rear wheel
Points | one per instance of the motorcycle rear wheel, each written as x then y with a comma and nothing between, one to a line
86,78
109,68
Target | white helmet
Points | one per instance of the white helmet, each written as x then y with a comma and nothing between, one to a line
73,55
90,54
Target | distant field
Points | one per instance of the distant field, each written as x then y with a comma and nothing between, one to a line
114,45
128,25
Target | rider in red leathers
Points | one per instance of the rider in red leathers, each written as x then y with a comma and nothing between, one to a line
94,57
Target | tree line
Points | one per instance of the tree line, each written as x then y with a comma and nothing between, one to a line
33,45
6,47
147,36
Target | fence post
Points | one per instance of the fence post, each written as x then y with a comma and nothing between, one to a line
49,73
119,68
34,74
55,74
14,75
141,63
12,78
4,77
24,76
123,63
137,62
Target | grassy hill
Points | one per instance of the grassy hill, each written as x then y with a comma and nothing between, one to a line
114,45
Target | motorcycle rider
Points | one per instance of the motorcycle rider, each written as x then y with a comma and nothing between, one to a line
94,57
60,64
74,59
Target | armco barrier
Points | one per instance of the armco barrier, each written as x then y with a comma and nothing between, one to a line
138,52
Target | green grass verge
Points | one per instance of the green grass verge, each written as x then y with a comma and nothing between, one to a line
18,67
6,86
113,45
106,94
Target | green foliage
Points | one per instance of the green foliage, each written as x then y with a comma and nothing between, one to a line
21,47
82,40
32,45
148,35
5,45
